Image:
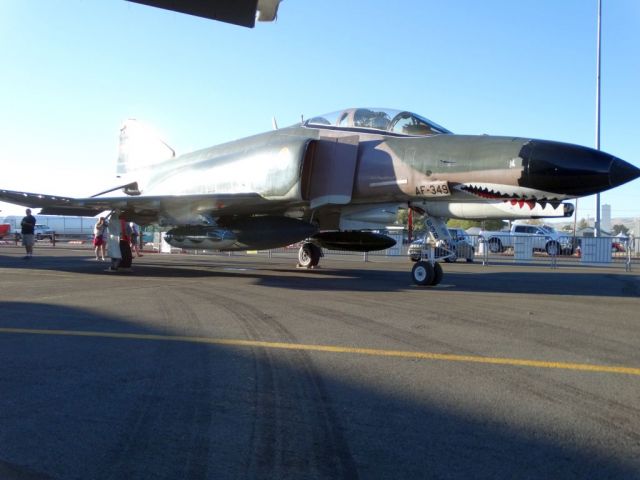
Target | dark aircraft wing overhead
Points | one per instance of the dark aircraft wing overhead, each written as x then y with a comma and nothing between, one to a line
148,207
238,12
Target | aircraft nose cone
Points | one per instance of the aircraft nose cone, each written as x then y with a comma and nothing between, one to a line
622,172
572,170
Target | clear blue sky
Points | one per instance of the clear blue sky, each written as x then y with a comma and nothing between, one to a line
73,70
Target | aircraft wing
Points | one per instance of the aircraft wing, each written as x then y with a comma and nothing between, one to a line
146,207
238,12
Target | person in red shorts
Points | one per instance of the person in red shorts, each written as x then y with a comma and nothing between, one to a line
99,238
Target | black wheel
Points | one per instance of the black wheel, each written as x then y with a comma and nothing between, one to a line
472,257
552,248
437,274
309,255
422,273
495,245
454,256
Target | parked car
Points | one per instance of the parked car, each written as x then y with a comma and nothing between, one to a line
544,238
43,231
461,247
617,247
567,242
40,231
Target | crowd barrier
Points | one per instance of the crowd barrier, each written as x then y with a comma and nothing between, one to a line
583,250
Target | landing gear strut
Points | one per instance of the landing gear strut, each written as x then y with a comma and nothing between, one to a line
309,255
427,271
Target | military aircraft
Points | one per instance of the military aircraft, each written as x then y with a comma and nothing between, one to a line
333,180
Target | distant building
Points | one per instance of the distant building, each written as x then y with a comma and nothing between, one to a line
585,232
605,225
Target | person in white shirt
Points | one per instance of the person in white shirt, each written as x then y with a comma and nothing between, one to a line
135,239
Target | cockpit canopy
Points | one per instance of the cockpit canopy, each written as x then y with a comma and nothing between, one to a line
382,119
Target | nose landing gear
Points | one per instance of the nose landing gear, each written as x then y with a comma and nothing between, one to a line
436,247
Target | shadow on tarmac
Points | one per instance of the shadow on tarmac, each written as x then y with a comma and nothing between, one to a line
86,407
348,277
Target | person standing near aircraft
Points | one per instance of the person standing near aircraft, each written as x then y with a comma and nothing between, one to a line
125,244
135,239
99,238
28,225
118,246
113,242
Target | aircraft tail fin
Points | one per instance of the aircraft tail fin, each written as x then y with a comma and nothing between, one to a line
140,148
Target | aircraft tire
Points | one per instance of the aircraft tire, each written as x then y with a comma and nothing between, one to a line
422,273
309,255
438,273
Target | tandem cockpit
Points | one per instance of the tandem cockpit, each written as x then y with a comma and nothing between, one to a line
395,122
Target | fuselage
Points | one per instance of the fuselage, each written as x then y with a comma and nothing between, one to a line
392,167
331,167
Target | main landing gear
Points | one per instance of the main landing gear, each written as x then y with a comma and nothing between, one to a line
427,271
309,255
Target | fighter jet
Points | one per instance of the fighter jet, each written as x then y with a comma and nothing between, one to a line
333,180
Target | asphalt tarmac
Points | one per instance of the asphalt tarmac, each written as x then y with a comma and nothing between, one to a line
218,367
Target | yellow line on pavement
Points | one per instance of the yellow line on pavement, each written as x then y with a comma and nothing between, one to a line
335,349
